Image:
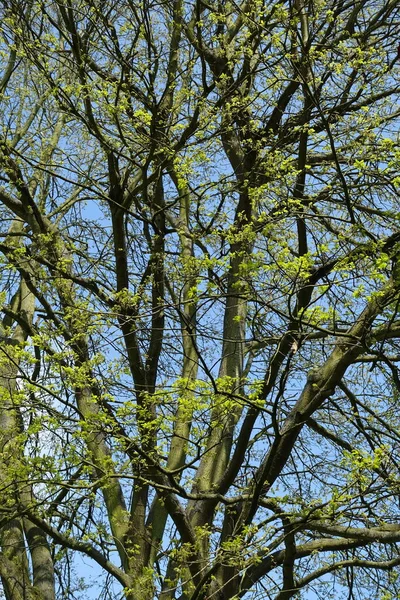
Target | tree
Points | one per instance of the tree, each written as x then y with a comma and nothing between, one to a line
200,298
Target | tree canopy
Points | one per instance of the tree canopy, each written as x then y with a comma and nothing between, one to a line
200,298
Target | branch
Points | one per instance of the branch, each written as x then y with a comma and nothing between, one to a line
390,532
84,547
271,562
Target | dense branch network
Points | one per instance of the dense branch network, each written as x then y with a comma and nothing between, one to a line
199,389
